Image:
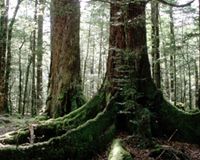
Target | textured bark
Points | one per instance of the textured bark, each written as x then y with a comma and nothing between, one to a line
3,37
65,82
125,44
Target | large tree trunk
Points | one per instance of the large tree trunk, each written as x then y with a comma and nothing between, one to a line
65,82
88,129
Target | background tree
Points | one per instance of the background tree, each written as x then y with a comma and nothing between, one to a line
155,43
40,55
9,55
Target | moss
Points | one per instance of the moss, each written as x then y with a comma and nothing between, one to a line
118,152
171,119
78,143
56,127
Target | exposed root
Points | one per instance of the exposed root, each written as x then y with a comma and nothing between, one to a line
171,119
56,127
78,143
166,153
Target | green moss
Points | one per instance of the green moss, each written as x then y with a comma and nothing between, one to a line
79,143
118,152
172,119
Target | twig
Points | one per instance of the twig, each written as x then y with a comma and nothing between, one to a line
167,141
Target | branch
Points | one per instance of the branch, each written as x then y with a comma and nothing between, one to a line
176,5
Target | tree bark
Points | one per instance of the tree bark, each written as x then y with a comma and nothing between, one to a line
65,81
3,44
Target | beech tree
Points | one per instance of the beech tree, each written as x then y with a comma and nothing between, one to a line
127,95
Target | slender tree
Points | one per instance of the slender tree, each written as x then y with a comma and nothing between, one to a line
198,94
20,78
155,43
9,55
87,51
33,49
40,54
172,58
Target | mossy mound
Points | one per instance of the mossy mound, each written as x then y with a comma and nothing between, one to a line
118,152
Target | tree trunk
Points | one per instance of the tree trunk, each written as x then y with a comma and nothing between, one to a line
172,57
87,52
166,88
155,43
26,85
65,81
20,80
189,76
9,56
100,56
90,128
3,44
33,49
40,55
198,99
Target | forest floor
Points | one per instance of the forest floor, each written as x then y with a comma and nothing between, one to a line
133,143
12,123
